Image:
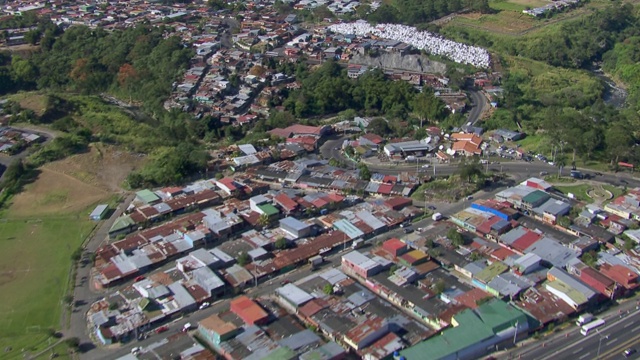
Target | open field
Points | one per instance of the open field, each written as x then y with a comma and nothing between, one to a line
32,101
55,193
579,191
39,232
511,21
103,166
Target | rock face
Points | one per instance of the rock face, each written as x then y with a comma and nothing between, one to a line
396,61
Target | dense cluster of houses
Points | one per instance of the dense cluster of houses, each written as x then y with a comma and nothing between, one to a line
13,140
401,296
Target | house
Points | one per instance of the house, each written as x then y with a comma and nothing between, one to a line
358,264
295,227
214,330
249,311
571,290
509,135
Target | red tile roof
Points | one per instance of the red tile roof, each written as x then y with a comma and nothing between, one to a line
471,298
526,240
286,202
248,310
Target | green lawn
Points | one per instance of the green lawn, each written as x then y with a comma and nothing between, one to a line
579,191
35,260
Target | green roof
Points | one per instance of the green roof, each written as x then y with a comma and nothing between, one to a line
281,353
535,197
147,196
121,223
473,327
487,274
268,209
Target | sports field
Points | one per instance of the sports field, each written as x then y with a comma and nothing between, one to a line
39,232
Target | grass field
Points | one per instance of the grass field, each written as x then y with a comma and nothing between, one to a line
39,231
579,191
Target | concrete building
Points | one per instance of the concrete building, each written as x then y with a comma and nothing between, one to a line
295,227
358,264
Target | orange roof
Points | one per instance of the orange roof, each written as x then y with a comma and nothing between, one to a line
466,146
248,310
216,324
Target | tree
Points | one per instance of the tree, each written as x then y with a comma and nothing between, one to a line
379,126
264,220
455,237
564,221
243,258
439,286
281,243
327,289
127,78
364,173
428,107
469,169
73,343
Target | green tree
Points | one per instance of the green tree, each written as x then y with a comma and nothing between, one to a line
243,258
428,107
470,169
281,243
364,172
264,220
327,289
455,237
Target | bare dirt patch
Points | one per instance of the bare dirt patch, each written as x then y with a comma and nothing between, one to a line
103,166
55,193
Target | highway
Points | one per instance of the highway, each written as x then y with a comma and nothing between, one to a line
608,342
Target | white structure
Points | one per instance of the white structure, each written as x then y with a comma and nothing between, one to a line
423,40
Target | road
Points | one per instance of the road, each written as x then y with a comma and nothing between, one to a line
478,103
83,294
620,332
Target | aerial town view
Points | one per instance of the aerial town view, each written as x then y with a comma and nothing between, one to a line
319,179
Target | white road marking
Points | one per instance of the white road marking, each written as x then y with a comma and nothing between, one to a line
611,342
577,351
635,328
629,324
584,356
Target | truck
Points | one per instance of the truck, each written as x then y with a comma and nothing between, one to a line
316,260
584,319
436,217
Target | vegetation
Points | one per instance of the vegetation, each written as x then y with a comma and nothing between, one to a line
415,12
243,259
455,237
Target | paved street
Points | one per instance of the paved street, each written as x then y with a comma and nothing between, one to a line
84,295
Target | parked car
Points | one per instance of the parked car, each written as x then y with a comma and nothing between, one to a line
135,350
161,329
139,278
285,282
598,173
204,305
431,207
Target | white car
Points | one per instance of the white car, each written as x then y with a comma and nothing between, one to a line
426,166
204,305
135,350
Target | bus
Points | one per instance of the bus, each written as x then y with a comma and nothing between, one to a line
586,329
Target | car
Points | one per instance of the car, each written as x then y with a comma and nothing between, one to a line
598,173
431,207
285,282
426,166
623,181
469,197
139,278
161,329
186,327
629,352
408,230
135,350
204,305
543,173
